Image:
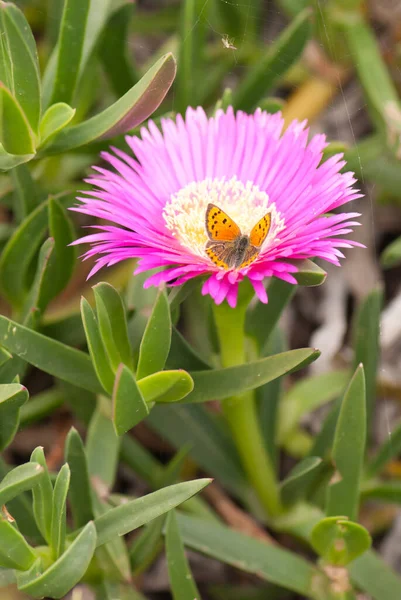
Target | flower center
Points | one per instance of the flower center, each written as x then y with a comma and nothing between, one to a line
245,204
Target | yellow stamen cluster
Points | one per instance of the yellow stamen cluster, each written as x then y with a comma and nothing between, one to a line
184,213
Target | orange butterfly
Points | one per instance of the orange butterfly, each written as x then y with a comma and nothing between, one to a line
227,246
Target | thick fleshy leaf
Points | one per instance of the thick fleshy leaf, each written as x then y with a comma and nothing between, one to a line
97,351
222,383
21,509
69,50
79,493
270,68
156,340
102,445
4,356
12,397
49,355
134,513
16,136
66,572
366,345
35,301
309,273
306,396
112,321
348,451
391,255
58,525
166,386
54,120
25,192
15,553
63,259
10,161
372,575
20,250
20,479
112,557
268,562
128,112
182,583
19,69
296,484
42,495
129,406
339,541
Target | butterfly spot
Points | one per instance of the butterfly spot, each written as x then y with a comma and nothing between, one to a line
212,227
225,221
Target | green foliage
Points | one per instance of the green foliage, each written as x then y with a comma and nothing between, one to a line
182,583
20,479
129,406
283,53
339,541
216,384
63,574
250,555
42,496
366,343
80,488
12,397
15,553
348,450
133,514
156,340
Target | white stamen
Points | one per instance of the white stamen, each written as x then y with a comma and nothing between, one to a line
246,204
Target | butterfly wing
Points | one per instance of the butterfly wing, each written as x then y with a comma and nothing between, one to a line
251,254
219,226
260,230
221,254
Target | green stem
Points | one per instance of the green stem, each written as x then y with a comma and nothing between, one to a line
240,411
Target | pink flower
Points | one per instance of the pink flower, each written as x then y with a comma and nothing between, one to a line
246,167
